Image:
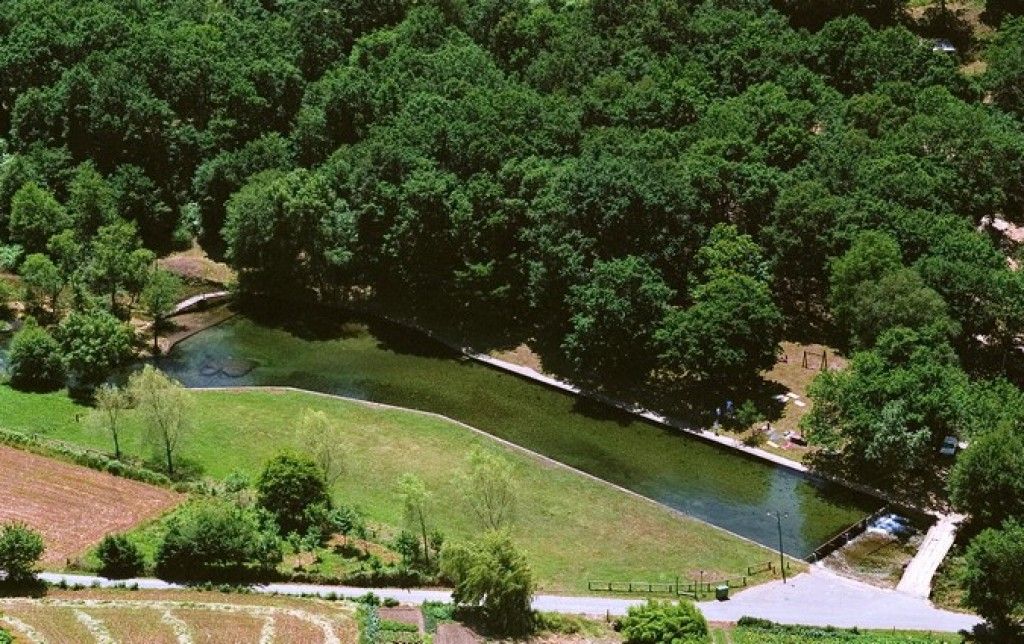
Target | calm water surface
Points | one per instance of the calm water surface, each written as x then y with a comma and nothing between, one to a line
343,354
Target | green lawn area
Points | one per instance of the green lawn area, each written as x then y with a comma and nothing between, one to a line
572,527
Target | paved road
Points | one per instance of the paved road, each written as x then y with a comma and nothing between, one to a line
823,598
818,598
917,578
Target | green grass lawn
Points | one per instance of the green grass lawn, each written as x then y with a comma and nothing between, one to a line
572,527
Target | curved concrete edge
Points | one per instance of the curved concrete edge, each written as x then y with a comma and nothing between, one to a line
547,460
629,408
636,410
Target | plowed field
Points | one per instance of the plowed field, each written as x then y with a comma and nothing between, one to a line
72,506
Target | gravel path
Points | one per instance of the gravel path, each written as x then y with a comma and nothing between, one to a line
818,598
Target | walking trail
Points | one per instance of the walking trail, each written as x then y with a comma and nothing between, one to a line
817,598
917,578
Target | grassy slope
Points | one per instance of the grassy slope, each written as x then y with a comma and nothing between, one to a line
573,528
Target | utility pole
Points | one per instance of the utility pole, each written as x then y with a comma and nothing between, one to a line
782,560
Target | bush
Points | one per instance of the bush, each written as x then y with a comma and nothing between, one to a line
5,637
20,550
34,359
664,623
216,539
119,557
288,486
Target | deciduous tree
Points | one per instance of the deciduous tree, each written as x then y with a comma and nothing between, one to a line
111,403
166,409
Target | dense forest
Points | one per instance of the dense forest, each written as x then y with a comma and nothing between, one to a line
663,189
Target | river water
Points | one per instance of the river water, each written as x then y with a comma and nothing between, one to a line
372,360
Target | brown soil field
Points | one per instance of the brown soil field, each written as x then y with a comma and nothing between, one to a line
149,617
73,506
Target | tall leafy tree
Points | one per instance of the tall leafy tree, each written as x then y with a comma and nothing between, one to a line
35,217
94,343
729,332
614,316
994,565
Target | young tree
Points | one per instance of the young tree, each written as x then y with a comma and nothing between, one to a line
994,568
494,574
66,253
664,623
490,489
414,496
35,361
20,550
165,407
43,282
94,343
111,262
35,217
288,486
111,403
726,250
319,439
158,299
138,271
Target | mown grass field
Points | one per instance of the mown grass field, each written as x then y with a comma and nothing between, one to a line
574,528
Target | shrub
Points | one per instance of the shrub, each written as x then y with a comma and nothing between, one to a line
216,539
288,486
664,623
20,550
119,557
5,637
35,359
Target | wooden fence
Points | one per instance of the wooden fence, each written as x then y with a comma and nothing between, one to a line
692,588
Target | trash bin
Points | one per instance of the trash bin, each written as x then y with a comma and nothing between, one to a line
722,592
